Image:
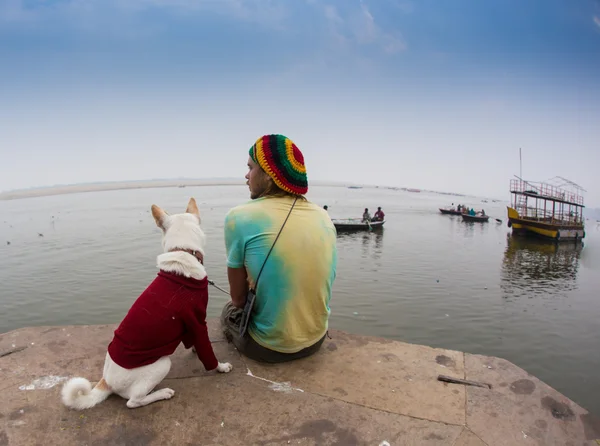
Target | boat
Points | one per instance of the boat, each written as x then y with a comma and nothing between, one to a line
552,210
356,224
476,218
450,211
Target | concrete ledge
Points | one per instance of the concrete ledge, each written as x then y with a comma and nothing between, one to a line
356,391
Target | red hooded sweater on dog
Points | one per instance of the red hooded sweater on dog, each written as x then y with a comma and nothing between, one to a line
171,310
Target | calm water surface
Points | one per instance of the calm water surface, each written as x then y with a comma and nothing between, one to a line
427,278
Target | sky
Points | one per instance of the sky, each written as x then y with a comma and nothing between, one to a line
409,93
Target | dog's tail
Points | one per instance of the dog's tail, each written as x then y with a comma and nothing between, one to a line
77,393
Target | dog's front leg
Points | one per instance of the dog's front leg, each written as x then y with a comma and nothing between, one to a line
224,367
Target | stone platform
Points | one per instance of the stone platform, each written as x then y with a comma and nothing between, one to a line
356,391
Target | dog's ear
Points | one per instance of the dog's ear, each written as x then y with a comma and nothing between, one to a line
159,216
192,208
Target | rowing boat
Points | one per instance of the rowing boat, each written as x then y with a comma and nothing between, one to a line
450,211
476,218
356,224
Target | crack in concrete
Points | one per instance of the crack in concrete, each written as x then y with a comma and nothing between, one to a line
466,429
478,437
376,408
370,407
464,356
458,436
12,350
384,410
366,406
14,383
467,401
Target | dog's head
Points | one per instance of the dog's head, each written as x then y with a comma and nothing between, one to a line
181,231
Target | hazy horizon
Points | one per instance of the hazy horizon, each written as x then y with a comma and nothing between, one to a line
395,93
238,181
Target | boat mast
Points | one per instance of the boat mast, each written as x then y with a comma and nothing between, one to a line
520,164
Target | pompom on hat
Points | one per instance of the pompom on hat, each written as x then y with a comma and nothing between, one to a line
279,157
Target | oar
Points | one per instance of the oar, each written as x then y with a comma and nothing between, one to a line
497,219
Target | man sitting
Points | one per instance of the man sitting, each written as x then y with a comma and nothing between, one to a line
366,216
379,215
291,311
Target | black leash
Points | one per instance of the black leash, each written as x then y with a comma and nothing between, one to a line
210,282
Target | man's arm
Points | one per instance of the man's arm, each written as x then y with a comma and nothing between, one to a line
235,248
238,286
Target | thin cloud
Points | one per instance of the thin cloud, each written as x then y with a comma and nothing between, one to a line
373,33
264,11
597,20
405,6
335,24
369,31
393,45
358,26
332,14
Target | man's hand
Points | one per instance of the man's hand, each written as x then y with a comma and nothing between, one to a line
238,286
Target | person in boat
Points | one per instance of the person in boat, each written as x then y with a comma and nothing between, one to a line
290,316
379,215
366,216
459,208
483,212
472,212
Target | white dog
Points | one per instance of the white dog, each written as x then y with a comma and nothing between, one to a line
170,311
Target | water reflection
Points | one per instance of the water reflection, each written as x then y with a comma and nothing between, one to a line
533,267
470,228
371,242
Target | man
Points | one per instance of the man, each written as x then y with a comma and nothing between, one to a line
291,311
366,216
379,215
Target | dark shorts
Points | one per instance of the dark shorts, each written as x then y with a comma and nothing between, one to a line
230,323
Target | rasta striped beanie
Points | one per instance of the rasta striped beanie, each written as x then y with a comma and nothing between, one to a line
279,157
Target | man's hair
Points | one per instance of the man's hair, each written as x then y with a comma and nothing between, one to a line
273,190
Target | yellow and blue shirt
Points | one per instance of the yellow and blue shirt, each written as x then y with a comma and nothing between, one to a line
291,310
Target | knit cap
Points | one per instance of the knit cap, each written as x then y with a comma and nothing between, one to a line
279,157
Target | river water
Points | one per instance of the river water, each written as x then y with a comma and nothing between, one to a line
426,278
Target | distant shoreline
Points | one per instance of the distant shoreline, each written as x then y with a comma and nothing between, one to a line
65,189
119,185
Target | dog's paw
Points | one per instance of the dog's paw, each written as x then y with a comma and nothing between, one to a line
168,393
224,367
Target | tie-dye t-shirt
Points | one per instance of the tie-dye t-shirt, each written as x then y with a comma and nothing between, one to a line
291,310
